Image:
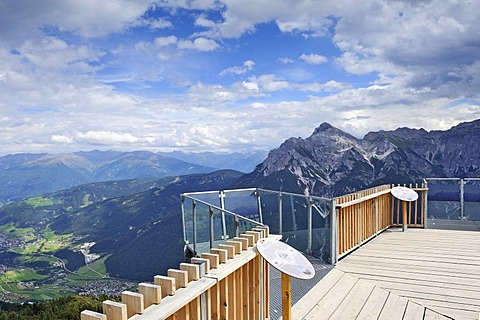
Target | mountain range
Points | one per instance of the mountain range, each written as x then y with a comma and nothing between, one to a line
136,223
26,175
332,162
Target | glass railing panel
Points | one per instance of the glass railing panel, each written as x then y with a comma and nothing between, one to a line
472,199
188,220
295,221
443,200
242,202
202,224
270,210
321,243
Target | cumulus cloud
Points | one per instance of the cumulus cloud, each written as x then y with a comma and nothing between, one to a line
248,65
61,139
199,44
285,60
107,137
165,41
313,58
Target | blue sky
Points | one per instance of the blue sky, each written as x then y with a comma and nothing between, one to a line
234,75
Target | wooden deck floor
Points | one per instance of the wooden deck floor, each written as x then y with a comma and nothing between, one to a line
420,274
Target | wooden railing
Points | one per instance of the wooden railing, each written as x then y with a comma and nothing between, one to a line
230,282
364,214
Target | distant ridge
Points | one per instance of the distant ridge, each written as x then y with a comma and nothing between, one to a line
332,162
26,175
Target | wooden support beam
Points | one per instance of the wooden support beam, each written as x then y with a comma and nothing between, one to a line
262,232
244,242
266,230
134,302
256,234
250,238
200,260
181,277
230,250
222,254
151,292
237,245
192,269
114,310
214,259
91,315
167,283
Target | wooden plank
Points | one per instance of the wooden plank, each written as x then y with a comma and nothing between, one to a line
222,254
239,294
114,310
329,303
230,250
374,305
244,242
214,259
286,297
195,312
394,308
456,313
256,234
134,302
200,261
250,238
215,301
91,315
231,299
180,276
431,315
245,290
166,283
413,311
308,301
237,245
353,303
192,269
224,299
151,292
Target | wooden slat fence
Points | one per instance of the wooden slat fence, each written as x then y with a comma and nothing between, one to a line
227,283
364,214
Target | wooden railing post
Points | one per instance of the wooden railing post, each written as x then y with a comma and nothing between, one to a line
333,232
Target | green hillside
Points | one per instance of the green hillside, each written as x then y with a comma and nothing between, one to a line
96,238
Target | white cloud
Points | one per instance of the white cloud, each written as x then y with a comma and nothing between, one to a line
285,60
248,65
61,139
107,137
202,21
165,41
313,58
199,44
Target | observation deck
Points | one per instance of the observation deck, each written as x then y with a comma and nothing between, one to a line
367,267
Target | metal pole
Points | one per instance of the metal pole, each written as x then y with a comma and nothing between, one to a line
182,201
333,233
425,204
212,234
294,219
462,200
222,195
237,226
259,206
280,214
194,215
309,228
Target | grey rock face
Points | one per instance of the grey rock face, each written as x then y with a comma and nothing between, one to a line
332,162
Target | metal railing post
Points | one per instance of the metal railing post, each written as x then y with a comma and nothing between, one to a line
376,214
182,201
333,232
425,203
222,195
212,235
462,200
280,214
259,205
309,227
194,215
237,226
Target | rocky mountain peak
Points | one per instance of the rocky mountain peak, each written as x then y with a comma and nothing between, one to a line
332,161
